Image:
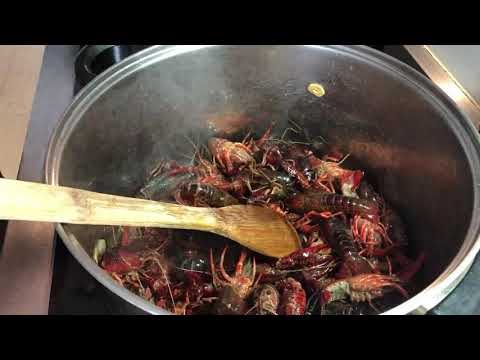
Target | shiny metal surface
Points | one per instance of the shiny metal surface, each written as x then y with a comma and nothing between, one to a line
445,81
461,63
398,126
465,298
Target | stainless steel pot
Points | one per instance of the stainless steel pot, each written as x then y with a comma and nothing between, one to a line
420,151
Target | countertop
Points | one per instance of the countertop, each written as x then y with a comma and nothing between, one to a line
19,69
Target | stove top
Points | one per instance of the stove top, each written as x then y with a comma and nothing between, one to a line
75,291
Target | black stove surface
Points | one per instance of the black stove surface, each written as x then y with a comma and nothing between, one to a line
75,292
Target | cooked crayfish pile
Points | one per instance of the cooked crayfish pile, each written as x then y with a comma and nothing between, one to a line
354,243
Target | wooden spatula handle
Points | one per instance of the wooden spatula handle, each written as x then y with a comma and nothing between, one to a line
21,200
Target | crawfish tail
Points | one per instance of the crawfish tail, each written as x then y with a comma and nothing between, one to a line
341,238
312,256
323,201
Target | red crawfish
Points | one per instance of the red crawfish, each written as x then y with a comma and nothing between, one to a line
197,287
232,156
208,173
262,182
313,256
294,299
267,300
233,289
315,262
371,235
278,182
304,224
395,227
361,288
291,167
121,261
328,202
258,145
393,224
340,237
264,152
329,171
271,156
196,194
270,274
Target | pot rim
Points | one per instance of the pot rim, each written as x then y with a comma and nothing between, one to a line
462,127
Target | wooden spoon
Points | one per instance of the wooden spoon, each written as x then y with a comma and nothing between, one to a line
259,229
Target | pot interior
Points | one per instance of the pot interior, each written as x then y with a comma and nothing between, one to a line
394,131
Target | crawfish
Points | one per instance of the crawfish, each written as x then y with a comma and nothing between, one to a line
292,169
197,194
208,173
264,182
328,202
329,171
313,256
197,288
233,290
370,234
270,274
271,156
277,181
266,300
341,238
395,227
361,288
232,156
162,186
293,299
393,223
241,183
121,261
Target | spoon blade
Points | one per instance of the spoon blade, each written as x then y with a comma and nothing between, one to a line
259,229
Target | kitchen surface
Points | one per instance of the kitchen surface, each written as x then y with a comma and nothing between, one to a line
19,69
38,275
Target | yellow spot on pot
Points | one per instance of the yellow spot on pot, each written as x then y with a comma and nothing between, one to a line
316,89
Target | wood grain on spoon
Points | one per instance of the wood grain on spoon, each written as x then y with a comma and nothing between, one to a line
259,229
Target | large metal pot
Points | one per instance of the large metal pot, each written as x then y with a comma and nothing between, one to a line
422,153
